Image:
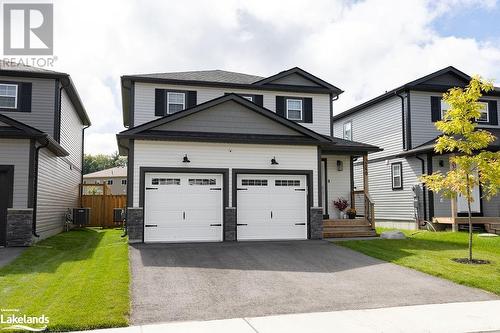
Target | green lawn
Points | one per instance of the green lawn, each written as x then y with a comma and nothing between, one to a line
430,252
79,279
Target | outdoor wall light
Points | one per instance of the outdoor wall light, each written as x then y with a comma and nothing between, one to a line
441,163
185,159
340,165
273,161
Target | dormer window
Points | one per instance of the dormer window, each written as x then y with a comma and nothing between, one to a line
8,96
176,102
294,109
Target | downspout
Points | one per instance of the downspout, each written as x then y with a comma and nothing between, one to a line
35,184
333,99
402,119
422,162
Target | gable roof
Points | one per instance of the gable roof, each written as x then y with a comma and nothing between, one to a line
17,129
20,70
424,83
223,79
108,173
147,131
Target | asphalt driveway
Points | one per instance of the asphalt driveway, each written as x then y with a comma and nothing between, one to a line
172,282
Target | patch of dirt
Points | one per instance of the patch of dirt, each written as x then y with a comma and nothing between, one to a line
471,262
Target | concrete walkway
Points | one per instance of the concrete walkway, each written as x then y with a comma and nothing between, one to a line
8,254
439,318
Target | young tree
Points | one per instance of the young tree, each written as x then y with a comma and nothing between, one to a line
471,164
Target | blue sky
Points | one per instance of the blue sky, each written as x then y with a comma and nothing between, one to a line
481,23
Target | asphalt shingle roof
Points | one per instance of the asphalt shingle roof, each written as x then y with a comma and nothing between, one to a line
208,76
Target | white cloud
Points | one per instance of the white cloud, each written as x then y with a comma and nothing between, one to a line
364,47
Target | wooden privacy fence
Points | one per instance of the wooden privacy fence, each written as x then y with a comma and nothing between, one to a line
101,204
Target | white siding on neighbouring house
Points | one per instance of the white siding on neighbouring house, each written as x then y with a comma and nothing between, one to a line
16,152
144,102
338,182
71,131
378,125
57,191
222,155
41,116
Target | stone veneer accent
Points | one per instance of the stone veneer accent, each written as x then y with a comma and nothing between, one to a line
230,224
135,224
19,227
316,222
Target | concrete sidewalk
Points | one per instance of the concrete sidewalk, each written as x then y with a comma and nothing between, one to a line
451,317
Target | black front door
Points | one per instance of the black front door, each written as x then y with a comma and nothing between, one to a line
6,189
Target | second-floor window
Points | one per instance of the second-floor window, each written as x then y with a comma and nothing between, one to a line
175,102
8,96
347,135
397,175
294,109
483,118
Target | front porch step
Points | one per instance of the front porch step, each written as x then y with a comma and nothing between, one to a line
348,234
347,228
493,228
347,223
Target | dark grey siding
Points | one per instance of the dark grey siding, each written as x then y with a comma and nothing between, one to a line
42,104
229,117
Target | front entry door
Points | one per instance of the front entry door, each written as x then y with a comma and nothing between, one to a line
6,186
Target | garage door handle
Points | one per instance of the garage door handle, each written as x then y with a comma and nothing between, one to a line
183,215
151,225
215,189
300,189
241,189
241,224
300,224
151,188
216,225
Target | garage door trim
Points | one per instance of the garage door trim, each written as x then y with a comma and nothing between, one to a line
225,182
307,173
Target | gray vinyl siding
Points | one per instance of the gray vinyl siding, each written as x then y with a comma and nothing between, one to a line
16,152
422,127
391,204
295,80
378,125
229,117
71,131
144,102
41,116
57,191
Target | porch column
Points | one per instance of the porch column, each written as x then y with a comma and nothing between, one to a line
367,203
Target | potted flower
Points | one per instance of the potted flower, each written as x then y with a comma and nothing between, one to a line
351,213
341,204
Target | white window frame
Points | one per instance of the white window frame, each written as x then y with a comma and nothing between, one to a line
15,97
183,100
444,107
250,98
394,175
486,106
301,109
345,131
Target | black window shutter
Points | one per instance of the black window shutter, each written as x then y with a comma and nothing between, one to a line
259,100
308,110
493,112
280,106
160,102
435,108
24,103
191,99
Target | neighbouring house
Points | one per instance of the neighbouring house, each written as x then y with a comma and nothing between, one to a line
114,178
402,122
42,122
223,156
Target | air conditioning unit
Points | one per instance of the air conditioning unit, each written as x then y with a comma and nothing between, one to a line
81,216
118,215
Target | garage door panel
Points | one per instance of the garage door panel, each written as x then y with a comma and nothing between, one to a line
184,208
272,207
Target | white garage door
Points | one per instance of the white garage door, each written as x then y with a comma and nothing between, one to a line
271,207
180,207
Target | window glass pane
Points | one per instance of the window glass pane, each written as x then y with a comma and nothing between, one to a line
348,131
294,104
254,182
204,181
165,181
173,108
295,114
176,98
484,113
7,102
286,182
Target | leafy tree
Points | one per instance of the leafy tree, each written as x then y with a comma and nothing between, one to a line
471,164
93,163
